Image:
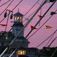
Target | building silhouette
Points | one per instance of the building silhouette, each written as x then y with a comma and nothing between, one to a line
23,49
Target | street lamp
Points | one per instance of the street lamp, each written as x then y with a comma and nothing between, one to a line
21,52
11,16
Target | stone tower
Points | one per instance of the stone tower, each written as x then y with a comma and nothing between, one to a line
17,26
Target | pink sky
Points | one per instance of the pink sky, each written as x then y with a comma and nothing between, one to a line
43,33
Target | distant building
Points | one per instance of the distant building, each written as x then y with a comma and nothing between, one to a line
48,52
23,50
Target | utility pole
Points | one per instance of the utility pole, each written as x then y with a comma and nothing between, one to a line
8,16
5,15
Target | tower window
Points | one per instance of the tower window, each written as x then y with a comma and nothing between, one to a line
20,19
15,19
24,52
21,52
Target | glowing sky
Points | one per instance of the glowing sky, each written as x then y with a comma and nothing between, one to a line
43,33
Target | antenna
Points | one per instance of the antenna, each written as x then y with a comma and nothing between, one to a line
18,9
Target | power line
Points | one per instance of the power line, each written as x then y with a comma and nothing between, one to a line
47,38
5,9
34,11
40,11
48,47
4,3
31,7
12,9
41,26
50,39
17,5
2,20
52,42
30,15
7,6
40,19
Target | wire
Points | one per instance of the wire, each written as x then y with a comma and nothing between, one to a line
2,20
7,6
50,39
48,47
4,3
40,19
12,9
30,15
41,26
17,5
31,7
52,42
47,38
34,11
5,9
40,11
